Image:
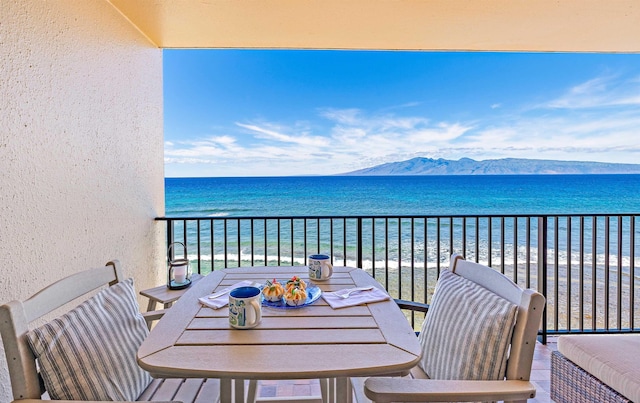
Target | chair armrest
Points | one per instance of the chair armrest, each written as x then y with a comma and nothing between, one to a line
382,390
153,315
411,305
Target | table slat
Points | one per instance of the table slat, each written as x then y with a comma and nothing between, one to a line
388,316
319,308
277,336
170,327
340,322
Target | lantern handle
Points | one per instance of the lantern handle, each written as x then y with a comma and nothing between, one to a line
171,246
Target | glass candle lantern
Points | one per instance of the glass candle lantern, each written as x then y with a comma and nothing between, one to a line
179,271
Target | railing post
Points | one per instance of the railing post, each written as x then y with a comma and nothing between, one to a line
169,242
359,245
169,236
542,272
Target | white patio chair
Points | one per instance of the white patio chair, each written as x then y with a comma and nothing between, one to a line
27,382
478,318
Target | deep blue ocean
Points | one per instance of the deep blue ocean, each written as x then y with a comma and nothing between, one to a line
502,195
403,195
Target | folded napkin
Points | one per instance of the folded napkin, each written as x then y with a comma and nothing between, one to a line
356,298
222,296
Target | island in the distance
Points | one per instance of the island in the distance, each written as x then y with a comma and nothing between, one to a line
505,166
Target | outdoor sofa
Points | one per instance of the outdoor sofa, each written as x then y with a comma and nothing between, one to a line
596,368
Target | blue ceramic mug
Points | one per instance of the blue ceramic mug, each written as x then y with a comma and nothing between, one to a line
245,307
320,267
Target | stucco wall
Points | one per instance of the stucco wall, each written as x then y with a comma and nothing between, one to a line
81,147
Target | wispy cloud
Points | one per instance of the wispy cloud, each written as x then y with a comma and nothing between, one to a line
402,106
605,91
265,132
353,140
590,121
341,116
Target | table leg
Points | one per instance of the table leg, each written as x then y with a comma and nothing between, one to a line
343,390
225,390
151,305
239,390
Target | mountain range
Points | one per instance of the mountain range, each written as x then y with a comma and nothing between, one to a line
505,166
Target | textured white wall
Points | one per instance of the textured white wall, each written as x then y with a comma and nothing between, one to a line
81,147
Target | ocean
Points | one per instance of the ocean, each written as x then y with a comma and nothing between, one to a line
403,195
405,254
501,195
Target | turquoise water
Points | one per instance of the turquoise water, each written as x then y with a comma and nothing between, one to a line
403,195
400,196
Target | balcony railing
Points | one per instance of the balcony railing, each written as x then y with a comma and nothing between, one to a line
583,264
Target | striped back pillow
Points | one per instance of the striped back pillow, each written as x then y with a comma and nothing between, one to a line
90,352
467,331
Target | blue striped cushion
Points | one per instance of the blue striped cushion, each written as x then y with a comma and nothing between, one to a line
90,352
467,331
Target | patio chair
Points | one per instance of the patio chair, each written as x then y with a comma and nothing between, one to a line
478,340
111,323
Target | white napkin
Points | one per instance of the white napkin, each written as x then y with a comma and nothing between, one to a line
356,298
222,300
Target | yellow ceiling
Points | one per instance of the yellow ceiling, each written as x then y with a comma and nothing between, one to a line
477,25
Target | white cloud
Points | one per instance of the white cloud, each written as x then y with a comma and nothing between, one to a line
172,160
223,140
268,133
403,106
491,136
443,132
609,138
348,135
591,121
343,116
354,140
606,91
216,146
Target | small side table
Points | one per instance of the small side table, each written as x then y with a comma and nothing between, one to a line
165,296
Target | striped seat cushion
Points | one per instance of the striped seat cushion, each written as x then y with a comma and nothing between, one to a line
90,352
467,331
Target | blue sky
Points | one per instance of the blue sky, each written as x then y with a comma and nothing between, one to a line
303,112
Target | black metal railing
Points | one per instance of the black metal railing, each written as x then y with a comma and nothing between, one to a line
583,264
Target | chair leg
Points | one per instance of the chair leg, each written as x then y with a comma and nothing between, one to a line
324,389
343,390
225,390
252,391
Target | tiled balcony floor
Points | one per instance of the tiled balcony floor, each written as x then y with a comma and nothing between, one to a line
307,389
541,370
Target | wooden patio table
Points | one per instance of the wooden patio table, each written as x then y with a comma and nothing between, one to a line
315,341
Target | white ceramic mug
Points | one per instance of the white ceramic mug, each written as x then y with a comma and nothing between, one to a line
245,307
320,267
